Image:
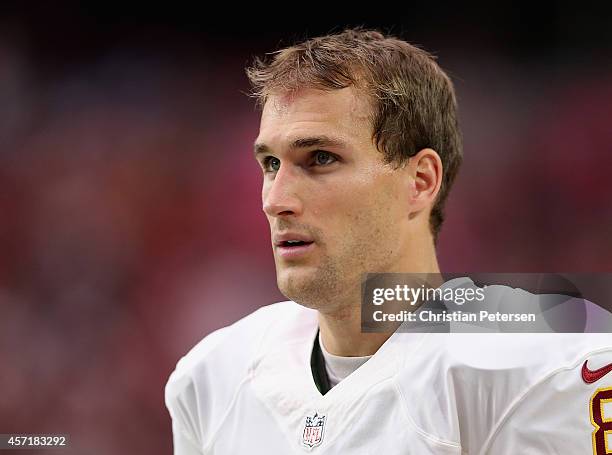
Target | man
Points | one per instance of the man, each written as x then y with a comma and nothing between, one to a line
359,145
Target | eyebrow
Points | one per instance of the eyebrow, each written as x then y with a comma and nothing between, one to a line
304,142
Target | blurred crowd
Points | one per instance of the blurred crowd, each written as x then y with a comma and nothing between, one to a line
131,221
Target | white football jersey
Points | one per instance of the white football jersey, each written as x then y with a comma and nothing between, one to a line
248,389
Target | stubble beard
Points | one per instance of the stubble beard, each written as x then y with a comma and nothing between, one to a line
325,289
334,286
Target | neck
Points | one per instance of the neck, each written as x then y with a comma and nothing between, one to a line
341,328
342,336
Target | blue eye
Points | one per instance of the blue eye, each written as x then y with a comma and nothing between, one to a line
323,158
271,164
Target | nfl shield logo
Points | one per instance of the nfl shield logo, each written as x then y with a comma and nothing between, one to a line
313,430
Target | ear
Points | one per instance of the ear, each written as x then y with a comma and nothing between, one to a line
426,178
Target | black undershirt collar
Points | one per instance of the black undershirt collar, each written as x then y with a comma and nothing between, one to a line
317,366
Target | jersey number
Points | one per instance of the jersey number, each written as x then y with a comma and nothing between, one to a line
602,425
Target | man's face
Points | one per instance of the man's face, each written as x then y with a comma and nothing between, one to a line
327,188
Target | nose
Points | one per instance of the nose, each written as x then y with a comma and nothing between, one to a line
280,195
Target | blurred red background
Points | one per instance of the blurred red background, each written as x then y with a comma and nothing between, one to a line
130,201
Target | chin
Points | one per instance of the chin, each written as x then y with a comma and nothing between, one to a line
295,284
311,287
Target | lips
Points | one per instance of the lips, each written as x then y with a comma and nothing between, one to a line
293,245
289,239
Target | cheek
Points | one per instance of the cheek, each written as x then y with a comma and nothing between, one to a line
372,195
363,210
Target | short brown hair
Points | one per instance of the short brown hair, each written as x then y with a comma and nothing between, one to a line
413,100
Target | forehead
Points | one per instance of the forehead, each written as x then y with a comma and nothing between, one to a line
343,113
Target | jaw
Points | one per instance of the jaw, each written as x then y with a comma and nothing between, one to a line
306,284
295,278
322,288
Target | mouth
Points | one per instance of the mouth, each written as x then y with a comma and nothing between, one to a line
293,248
293,243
